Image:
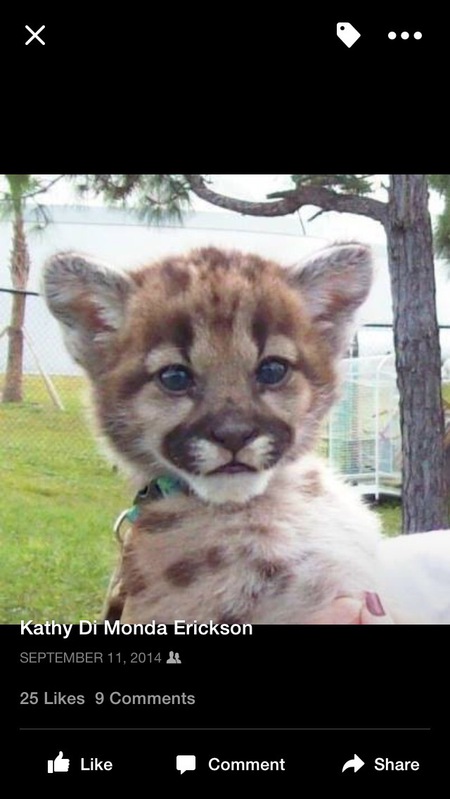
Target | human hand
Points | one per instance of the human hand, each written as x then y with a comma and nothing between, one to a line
366,609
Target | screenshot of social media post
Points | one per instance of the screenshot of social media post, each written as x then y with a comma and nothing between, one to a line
225,436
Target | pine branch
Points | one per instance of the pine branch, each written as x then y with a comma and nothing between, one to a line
290,201
41,189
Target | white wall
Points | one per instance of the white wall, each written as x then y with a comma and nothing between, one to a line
124,241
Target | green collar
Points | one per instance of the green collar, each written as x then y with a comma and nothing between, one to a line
159,488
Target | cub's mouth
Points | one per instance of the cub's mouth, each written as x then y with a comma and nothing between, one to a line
233,467
228,443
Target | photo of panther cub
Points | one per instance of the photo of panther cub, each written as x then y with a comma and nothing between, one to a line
211,374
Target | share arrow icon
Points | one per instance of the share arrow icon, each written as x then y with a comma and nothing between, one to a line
355,764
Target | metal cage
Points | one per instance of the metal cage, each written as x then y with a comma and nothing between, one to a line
362,436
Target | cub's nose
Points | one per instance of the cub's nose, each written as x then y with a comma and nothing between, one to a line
233,432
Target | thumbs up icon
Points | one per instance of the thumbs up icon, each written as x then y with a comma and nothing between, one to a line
60,763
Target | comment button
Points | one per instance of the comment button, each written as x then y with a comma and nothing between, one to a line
186,763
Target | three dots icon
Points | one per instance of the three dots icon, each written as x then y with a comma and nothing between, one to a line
404,35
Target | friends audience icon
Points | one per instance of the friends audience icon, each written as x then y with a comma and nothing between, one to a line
173,658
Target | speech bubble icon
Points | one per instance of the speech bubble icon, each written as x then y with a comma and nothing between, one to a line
186,763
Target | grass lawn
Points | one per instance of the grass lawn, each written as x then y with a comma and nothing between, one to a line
58,503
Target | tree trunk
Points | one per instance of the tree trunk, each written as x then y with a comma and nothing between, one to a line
13,388
418,358
20,269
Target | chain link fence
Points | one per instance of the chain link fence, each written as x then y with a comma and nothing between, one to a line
47,420
59,496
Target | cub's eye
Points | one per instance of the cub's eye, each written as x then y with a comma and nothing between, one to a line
271,371
176,378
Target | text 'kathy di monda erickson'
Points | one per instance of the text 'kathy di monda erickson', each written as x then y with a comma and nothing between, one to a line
179,627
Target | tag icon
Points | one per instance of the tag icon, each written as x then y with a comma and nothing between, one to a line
347,33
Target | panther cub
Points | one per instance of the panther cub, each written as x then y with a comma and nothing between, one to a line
211,374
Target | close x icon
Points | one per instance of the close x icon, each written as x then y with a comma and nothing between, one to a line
35,37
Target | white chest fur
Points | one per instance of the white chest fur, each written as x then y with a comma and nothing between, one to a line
288,552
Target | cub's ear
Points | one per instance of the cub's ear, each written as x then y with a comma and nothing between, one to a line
88,299
333,283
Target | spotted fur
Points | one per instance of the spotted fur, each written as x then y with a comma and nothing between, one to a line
275,536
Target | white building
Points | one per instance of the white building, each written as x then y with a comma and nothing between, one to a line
124,241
